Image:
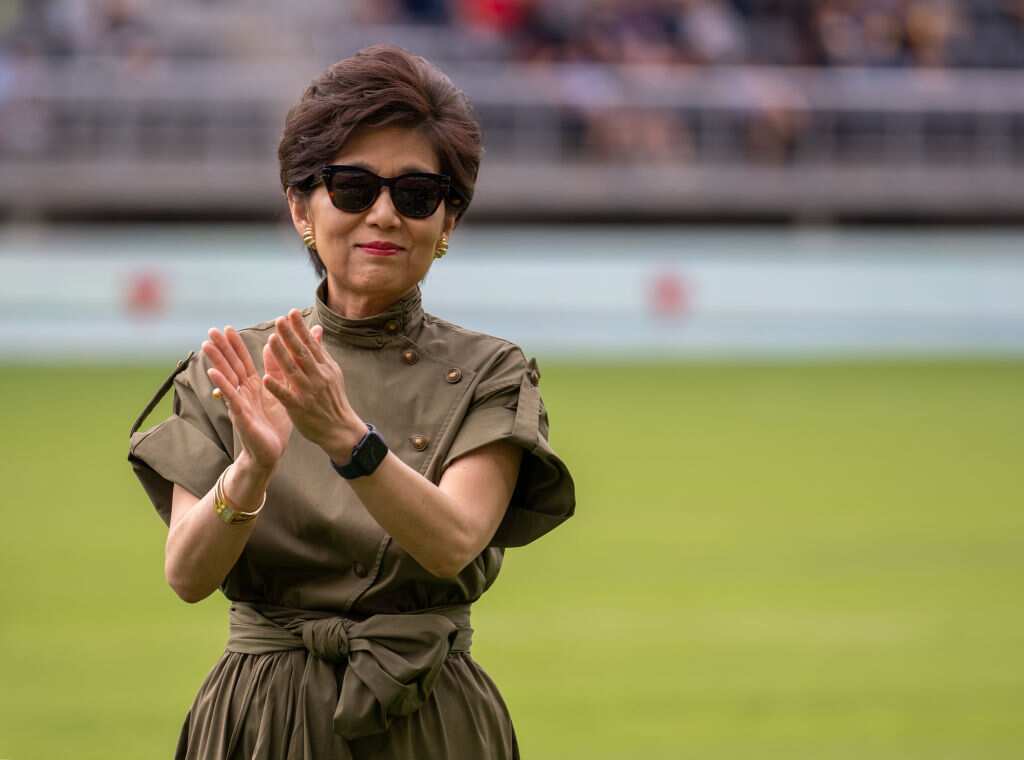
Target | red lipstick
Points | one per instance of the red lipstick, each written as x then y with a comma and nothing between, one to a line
380,248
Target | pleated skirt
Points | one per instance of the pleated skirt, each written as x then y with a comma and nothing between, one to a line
247,707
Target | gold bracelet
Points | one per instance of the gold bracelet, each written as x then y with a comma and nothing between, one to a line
225,511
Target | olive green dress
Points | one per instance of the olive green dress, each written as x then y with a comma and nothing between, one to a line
341,645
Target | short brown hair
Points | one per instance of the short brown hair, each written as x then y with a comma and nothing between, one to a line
381,85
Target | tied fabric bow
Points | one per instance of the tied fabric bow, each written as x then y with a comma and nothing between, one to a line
390,663
393,661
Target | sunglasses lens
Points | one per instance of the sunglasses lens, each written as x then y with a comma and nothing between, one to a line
417,197
353,191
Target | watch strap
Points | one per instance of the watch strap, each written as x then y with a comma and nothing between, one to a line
358,466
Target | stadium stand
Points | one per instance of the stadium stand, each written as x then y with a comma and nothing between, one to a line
791,108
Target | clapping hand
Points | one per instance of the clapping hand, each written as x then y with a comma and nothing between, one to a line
262,423
311,386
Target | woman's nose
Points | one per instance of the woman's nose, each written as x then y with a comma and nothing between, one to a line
383,211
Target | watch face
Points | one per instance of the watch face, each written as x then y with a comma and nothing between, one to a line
372,452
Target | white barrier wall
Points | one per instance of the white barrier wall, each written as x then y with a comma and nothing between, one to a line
152,292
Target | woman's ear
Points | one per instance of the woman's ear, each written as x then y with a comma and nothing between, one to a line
298,206
450,220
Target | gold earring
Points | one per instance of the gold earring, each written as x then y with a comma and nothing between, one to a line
442,247
309,238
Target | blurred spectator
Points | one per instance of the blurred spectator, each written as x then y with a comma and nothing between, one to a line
620,135
775,128
868,32
713,31
426,11
378,12
930,27
121,31
60,28
492,18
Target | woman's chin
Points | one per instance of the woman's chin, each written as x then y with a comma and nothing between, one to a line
377,282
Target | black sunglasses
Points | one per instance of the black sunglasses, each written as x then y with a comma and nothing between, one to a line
416,195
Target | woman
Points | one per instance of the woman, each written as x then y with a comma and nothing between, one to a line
350,474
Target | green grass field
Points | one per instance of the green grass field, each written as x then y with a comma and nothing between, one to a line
799,561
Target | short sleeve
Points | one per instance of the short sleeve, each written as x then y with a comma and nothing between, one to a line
507,406
188,448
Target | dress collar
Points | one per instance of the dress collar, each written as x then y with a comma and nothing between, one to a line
401,318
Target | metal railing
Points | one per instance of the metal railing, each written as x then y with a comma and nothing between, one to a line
185,136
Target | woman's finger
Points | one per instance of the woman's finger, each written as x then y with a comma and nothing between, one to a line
299,326
281,392
228,350
299,351
317,333
284,359
270,365
240,350
219,361
227,388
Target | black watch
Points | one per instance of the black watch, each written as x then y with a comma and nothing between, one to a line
366,456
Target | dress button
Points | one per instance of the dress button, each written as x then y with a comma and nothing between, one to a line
454,375
419,441
359,569
410,357
391,326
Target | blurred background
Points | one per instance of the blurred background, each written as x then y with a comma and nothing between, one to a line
769,253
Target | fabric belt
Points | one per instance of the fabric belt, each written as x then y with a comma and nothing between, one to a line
390,662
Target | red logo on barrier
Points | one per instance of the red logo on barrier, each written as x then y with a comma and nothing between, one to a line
670,295
145,294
